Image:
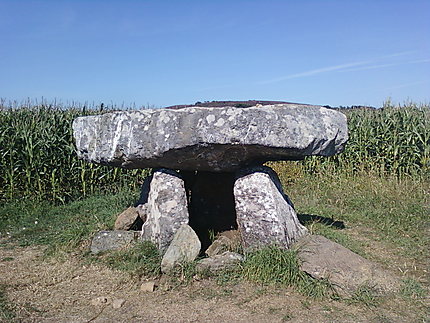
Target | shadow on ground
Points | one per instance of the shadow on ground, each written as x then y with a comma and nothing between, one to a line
307,218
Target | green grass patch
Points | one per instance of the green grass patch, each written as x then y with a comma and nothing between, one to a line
364,295
412,289
140,260
275,266
61,227
385,209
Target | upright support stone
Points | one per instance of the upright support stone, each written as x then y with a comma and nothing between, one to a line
166,208
264,212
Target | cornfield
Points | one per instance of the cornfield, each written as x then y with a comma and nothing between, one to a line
387,141
38,156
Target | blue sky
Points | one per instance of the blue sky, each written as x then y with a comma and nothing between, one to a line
161,53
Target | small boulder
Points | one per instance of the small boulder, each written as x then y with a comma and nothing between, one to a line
148,286
128,220
219,262
118,303
322,258
100,301
185,247
225,241
112,240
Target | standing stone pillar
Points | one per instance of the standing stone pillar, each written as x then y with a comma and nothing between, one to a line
166,208
265,215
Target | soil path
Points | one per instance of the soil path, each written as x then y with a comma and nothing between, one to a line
40,290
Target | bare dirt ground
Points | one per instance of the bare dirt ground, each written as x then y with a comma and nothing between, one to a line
40,290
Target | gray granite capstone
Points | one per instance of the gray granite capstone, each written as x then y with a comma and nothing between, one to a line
210,139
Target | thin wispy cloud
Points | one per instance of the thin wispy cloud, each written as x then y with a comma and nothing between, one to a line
400,86
315,71
399,54
426,60
349,67
371,67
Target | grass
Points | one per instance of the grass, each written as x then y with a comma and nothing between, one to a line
274,266
412,289
391,211
61,227
364,295
141,260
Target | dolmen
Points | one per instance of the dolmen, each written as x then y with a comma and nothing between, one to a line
208,165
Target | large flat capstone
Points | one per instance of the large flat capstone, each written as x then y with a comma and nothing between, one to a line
210,139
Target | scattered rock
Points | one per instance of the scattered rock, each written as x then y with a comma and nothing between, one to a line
219,262
100,301
265,215
225,241
118,303
129,219
324,259
220,245
166,208
185,247
233,235
148,286
222,139
112,240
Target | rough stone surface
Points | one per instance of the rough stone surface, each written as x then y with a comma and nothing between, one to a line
166,208
129,219
100,301
185,247
323,258
219,262
265,215
118,303
210,139
148,286
112,240
225,241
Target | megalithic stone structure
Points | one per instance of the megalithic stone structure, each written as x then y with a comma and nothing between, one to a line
213,147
